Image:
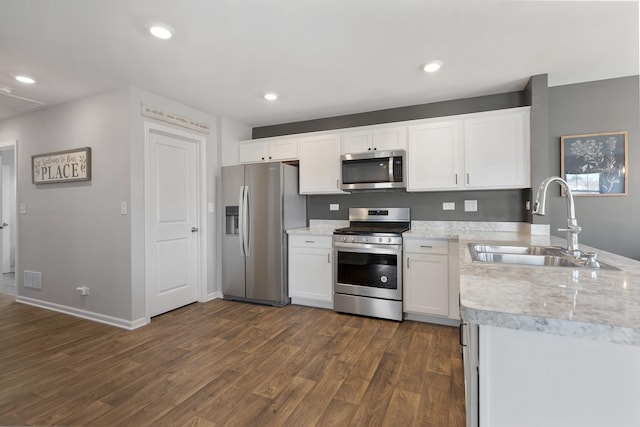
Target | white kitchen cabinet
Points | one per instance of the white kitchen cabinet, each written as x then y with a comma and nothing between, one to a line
426,277
496,150
434,155
270,150
377,139
311,270
320,164
488,150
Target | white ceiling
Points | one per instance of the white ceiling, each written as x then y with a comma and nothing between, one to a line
324,58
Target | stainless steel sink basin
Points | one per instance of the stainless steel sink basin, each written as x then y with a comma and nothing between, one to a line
549,256
520,250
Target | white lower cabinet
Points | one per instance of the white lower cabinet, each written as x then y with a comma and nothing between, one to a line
311,270
430,283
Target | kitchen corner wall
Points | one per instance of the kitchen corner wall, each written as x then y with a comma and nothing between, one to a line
608,222
504,205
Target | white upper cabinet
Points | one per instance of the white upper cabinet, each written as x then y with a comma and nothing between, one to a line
496,149
270,150
378,139
434,156
320,164
475,151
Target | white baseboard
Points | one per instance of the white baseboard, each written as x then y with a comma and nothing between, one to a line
89,315
312,302
432,319
213,295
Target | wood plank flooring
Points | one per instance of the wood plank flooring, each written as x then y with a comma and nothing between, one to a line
228,363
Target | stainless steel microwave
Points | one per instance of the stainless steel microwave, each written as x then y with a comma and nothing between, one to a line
374,170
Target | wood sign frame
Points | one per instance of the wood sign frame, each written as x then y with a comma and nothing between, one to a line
61,166
596,164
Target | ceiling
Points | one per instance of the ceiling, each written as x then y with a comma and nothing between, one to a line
324,58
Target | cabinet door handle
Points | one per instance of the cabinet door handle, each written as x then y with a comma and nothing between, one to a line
329,258
456,179
467,178
426,246
408,262
337,183
309,241
461,335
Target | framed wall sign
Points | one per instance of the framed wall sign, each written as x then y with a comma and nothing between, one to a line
61,166
595,164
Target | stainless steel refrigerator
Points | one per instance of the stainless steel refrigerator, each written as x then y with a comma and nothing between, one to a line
261,202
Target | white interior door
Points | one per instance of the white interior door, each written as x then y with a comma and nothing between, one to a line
173,256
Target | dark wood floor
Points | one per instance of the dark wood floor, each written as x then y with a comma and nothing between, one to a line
228,363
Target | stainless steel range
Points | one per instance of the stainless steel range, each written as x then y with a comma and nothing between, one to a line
368,262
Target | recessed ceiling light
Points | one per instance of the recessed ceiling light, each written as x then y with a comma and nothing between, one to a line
432,66
25,79
270,96
161,31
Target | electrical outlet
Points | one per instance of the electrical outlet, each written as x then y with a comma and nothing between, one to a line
23,208
211,207
334,207
83,290
471,206
448,206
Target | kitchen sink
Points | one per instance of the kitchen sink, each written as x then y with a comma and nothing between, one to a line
548,256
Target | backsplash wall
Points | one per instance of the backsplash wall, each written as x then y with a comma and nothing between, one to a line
493,205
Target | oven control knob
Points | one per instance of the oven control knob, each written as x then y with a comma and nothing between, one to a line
389,240
365,240
344,239
383,279
380,240
353,239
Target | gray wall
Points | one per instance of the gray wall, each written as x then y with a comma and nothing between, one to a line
504,205
608,222
73,233
492,205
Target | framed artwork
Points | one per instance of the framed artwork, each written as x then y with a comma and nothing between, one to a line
595,164
61,166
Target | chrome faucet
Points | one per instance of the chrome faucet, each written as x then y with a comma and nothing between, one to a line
572,225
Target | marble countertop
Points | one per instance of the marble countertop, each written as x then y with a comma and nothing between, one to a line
600,304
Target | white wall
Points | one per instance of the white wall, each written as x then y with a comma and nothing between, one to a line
231,133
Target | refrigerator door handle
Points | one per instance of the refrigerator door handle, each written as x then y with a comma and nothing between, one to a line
241,220
247,220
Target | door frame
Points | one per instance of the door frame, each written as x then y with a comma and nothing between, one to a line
14,144
201,208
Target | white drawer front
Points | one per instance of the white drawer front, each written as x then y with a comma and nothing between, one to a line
310,241
427,246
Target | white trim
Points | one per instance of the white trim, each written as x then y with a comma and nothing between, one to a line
14,144
84,314
432,319
312,302
214,295
201,143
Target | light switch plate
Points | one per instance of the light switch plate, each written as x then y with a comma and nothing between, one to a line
471,206
123,208
23,208
211,207
448,206
334,207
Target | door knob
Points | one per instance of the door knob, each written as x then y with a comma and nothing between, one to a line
194,229
4,224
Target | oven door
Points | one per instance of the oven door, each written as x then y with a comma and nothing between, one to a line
368,270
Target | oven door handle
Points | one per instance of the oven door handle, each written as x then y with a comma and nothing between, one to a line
364,247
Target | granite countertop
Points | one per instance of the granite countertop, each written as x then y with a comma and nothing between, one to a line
319,227
602,305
